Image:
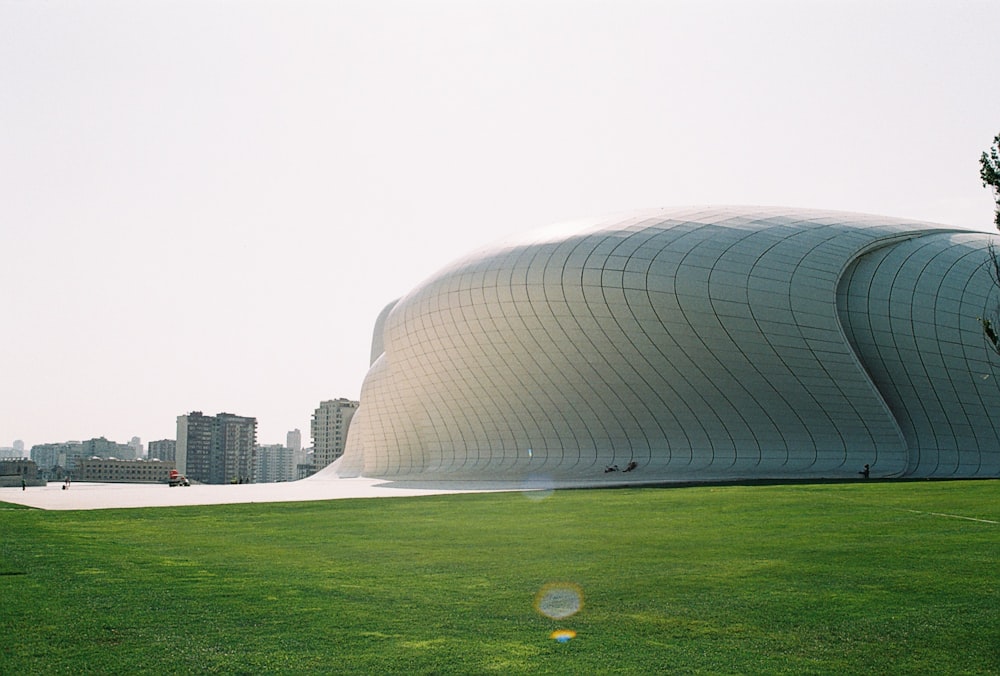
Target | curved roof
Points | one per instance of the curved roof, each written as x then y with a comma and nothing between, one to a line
699,343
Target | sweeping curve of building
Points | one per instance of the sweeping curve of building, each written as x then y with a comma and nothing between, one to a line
691,344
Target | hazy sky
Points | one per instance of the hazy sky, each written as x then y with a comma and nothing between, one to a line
204,205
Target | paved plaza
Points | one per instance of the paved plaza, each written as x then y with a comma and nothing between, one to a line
86,495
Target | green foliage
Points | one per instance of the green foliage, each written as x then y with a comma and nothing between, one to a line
990,324
990,333
989,171
863,577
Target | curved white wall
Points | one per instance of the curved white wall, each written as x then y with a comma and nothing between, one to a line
699,343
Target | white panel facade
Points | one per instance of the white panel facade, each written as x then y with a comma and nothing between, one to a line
699,344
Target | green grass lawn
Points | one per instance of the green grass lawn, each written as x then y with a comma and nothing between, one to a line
853,578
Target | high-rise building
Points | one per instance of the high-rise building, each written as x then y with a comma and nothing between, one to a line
274,463
67,454
18,447
136,444
293,440
304,464
216,449
164,449
103,448
302,457
64,455
194,444
329,429
234,449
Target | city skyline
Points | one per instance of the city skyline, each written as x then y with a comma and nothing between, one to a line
19,448
206,206
141,446
293,441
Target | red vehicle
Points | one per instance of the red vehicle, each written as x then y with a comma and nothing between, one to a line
178,479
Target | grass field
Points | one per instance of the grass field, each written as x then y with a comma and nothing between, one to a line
854,578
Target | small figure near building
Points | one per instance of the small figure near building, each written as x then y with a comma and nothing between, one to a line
865,472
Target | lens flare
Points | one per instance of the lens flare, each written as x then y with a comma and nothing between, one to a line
559,599
563,635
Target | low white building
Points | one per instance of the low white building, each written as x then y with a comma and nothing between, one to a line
126,471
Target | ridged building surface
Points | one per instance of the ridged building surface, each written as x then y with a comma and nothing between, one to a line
698,344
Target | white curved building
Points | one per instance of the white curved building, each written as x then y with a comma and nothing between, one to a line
698,344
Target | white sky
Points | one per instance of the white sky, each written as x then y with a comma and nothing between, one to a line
205,204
